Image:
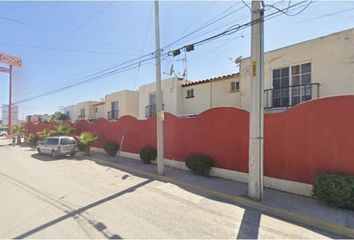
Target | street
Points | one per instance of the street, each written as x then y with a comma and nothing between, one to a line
77,198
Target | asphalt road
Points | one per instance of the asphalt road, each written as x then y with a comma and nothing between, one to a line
76,198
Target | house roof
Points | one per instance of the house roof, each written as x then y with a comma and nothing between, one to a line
97,104
210,79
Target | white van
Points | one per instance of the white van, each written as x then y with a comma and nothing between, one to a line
58,146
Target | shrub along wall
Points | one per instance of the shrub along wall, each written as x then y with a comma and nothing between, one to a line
314,137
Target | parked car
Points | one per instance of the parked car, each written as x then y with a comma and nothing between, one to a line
58,146
3,134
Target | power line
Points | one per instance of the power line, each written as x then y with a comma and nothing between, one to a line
287,9
231,30
143,48
82,24
65,50
93,78
202,27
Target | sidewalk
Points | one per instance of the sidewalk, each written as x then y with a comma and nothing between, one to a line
293,208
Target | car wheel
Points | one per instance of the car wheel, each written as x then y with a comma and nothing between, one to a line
72,154
54,154
39,150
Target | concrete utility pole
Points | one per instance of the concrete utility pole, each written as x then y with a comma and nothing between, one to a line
255,169
159,111
10,102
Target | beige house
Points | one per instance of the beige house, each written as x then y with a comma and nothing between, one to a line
99,110
81,110
308,70
223,91
121,103
171,97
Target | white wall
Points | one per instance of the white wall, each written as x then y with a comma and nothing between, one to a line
72,112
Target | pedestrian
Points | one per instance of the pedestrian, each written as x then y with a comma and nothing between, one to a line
13,140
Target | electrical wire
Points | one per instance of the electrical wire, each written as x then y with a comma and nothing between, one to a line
124,67
285,12
202,27
65,50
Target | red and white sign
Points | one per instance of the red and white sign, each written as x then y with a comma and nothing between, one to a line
11,60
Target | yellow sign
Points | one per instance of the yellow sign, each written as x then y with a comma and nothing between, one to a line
161,115
254,68
11,60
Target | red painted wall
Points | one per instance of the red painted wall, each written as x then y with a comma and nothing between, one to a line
313,137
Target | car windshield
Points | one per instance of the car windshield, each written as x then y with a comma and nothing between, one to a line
67,141
52,141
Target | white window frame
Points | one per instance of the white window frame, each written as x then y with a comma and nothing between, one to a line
234,86
190,93
290,77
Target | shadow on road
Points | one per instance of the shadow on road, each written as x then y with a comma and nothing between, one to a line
44,157
249,225
74,213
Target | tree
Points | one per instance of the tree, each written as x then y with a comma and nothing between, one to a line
44,134
86,139
64,130
19,130
58,117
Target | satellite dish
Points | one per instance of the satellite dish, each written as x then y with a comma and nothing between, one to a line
238,60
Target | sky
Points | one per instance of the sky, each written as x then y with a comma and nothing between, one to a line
62,42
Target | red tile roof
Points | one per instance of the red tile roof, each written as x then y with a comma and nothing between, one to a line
210,79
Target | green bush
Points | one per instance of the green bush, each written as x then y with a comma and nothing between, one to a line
199,164
33,139
111,148
335,190
80,146
147,154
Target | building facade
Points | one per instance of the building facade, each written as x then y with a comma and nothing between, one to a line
308,70
294,74
121,103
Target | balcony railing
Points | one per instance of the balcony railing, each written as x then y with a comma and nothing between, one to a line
81,117
290,96
151,110
112,115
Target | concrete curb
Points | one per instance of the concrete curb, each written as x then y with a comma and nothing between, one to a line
282,214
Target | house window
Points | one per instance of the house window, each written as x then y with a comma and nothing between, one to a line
291,85
82,113
96,110
67,114
190,93
114,110
235,86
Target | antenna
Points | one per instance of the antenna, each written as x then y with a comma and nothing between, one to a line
171,70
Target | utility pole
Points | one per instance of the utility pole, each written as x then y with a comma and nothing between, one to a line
255,168
159,111
10,102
